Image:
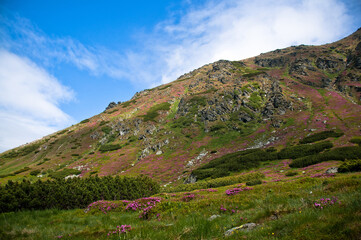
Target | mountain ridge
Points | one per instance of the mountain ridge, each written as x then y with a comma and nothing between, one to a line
271,100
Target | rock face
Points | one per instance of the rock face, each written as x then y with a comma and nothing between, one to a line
271,62
330,65
300,66
276,104
111,105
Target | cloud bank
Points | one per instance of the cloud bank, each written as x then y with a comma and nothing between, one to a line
29,101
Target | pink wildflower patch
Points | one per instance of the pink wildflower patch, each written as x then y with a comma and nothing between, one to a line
235,191
325,202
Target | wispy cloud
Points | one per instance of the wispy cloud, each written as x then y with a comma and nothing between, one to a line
29,101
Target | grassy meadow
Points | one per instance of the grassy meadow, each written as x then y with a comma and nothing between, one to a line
288,204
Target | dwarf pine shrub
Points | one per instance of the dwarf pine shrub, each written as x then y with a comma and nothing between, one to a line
350,166
321,136
73,193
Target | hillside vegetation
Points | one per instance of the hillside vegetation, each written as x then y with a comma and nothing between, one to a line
267,147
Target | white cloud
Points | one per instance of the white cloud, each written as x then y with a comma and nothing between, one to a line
230,29
29,101
235,30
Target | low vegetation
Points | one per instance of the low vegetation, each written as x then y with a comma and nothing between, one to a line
341,154
109,147
321,136
72,193
152,113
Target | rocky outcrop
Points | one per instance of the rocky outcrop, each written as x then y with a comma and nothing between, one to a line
329,65
111,105
153,148
276,103
354,58
271,62
221,71
300,67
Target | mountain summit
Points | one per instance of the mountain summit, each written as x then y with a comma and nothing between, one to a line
270,101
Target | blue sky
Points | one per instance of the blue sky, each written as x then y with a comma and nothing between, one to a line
64,61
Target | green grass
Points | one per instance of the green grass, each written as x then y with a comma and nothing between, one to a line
282,210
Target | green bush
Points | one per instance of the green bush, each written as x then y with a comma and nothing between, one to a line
109,147
35,172
321,136
126,104
106,129
350,166
85,121
356,140
153,111
73,193
303,150
291,173
254,182
22,170
340,154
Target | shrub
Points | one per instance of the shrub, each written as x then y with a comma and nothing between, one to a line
85,121
350,166
35,172
254,182
291,173
22,170
106,129
356,140
340,154
321,136
73,193
303,150
153,111
126,104
109,147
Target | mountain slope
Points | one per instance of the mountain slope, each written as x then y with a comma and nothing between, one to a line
272,100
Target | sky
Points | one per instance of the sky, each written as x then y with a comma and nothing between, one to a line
64,61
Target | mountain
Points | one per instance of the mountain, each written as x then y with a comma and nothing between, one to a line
271,101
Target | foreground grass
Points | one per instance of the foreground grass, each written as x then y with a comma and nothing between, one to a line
283,210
